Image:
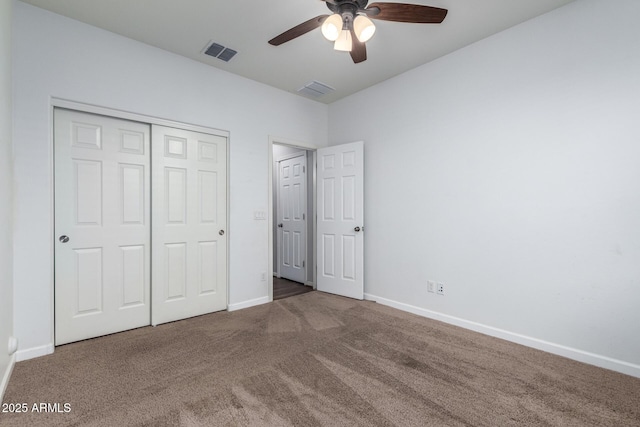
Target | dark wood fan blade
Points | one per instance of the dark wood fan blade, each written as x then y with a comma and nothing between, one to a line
358,49
298,30
403,12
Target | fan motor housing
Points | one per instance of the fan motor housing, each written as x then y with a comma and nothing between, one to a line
342,6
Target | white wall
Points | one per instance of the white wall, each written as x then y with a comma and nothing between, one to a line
6,197
58,57
509,171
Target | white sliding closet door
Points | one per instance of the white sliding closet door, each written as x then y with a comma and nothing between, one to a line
102,231
189,237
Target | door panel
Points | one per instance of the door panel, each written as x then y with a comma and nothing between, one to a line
208,275
132,190
133,268
292,206
340,220
102,273
88,281
189,229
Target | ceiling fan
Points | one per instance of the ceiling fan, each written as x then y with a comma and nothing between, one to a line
350,24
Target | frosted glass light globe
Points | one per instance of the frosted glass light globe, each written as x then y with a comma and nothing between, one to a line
331,27
364,28
344,42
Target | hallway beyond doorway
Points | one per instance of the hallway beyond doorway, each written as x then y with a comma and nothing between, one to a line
283,288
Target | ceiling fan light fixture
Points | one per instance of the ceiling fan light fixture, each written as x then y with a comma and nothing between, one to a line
344,42
364,28
332,26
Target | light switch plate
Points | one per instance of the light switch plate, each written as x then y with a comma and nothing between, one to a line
431,286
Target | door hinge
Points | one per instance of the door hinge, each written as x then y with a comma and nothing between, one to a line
303,217
302,264
304,169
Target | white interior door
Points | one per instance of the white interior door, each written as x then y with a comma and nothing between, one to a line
341,220
189,236
292,208
101,225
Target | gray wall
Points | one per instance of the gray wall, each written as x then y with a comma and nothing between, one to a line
87,64
508,170
6,196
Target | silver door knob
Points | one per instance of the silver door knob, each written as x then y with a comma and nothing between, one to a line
357,229
279,225
221,232
63,239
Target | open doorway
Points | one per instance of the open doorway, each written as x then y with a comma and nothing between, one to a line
334,258
293,213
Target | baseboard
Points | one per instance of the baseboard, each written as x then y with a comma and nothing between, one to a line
6,376
249,303
32,353
560,350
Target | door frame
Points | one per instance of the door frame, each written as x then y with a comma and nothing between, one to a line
311,263
136,117
301,153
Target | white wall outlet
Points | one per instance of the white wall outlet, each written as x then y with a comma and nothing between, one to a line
431,286
440,289
263,276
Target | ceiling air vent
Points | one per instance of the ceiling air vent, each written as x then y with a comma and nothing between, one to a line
218,51
315,89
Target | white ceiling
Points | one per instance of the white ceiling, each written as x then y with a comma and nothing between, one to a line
186,27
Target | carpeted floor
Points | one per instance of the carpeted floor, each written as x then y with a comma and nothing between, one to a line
311,360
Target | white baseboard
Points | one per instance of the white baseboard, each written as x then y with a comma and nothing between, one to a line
249,303
6,376
32,353
561,350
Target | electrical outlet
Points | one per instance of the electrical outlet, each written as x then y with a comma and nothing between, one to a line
440,289
263,276
431,286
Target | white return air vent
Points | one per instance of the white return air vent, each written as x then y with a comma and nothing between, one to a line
315,89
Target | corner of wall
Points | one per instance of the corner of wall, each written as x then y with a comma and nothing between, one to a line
6,376
7,360
32,353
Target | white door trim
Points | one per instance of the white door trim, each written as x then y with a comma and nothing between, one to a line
291,155
111,112
119,114
271,219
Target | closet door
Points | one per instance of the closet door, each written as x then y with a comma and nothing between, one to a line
189,233
102,227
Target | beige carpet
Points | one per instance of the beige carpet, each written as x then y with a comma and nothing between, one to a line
311,360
